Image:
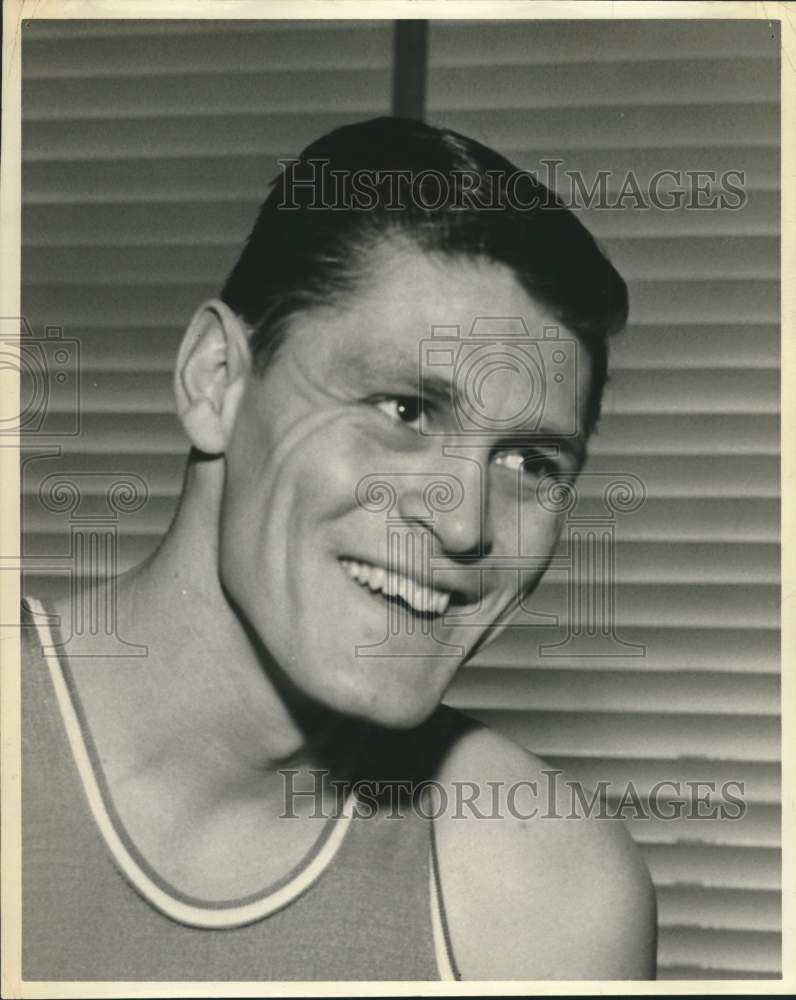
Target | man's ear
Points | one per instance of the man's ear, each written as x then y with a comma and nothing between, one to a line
213,365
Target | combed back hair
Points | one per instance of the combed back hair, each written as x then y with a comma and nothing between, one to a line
314,237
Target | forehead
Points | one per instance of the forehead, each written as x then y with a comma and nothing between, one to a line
409,294
511,369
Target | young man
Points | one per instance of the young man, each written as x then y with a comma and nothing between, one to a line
353,472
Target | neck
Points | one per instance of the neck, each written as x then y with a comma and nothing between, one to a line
209,693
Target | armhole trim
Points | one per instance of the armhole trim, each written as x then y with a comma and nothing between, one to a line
196,913
443,951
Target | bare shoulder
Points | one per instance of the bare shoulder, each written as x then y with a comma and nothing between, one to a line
533,885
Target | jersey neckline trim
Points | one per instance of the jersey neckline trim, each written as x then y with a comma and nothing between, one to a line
443,949
168,900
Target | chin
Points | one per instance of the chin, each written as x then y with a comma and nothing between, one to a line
393,716
403,707
409,712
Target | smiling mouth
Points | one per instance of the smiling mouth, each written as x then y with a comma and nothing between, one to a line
398,589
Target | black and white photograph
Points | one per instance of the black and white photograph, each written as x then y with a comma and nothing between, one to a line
392,583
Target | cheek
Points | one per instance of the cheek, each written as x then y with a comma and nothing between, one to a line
521,525
279,503
244,508
541,532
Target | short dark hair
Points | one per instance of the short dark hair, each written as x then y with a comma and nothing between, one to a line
311,243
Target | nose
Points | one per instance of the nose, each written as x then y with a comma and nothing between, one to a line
455,507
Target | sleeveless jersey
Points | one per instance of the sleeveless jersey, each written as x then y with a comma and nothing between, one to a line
364,904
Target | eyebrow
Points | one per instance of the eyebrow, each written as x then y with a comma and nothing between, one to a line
439,389
573,445
399,371
397,365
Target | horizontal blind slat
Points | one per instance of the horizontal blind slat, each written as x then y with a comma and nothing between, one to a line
759,826
714,344
714,866
726,909
683,693
755,782
550,41
266,132
749,951
698,300
572,171
667,81
686,434
675,972
640,735
692,391
325,89
738,257
252,45
88,30
760,216
673,645
623,126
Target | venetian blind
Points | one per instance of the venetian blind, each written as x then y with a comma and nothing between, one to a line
147,148
692,411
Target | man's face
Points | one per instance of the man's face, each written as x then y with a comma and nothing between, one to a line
367,583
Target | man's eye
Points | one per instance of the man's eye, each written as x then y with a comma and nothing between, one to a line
405,409
532,463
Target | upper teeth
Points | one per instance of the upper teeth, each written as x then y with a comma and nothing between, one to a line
418,597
